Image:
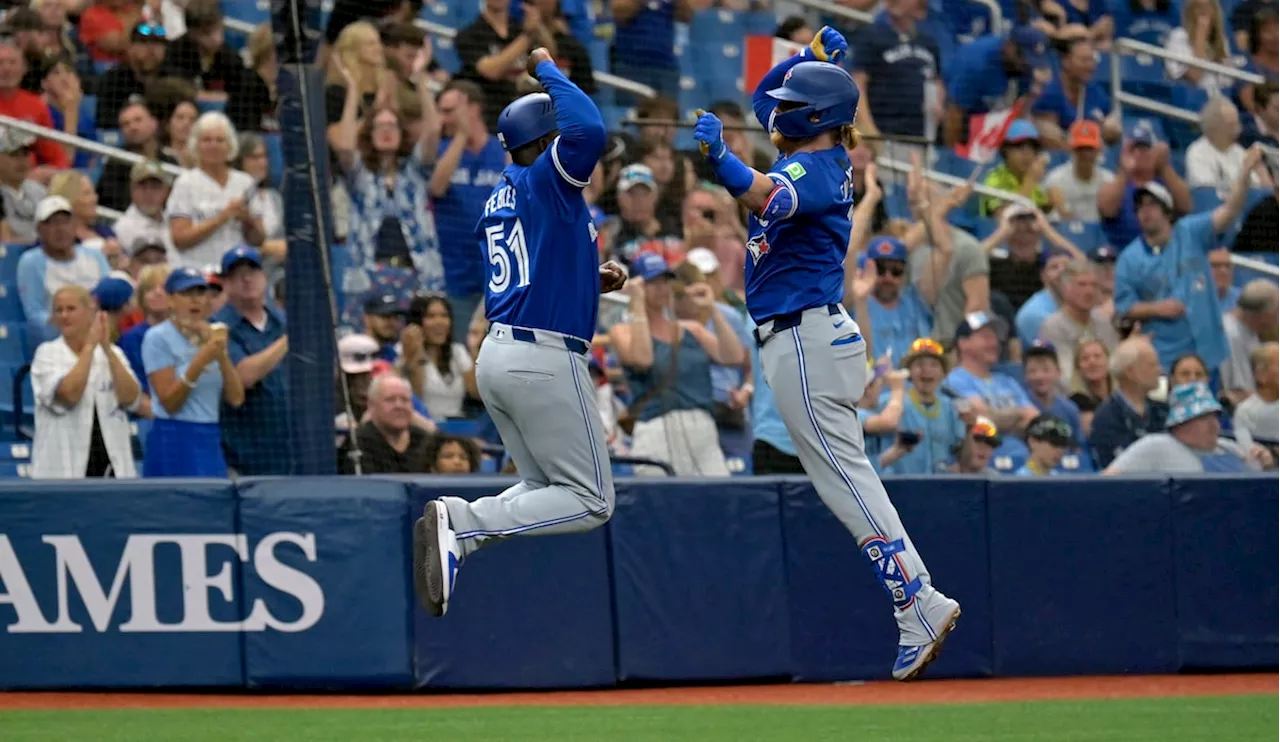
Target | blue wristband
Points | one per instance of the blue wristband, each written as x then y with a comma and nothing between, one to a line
735,176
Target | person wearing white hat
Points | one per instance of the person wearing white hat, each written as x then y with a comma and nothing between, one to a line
54,262
20,194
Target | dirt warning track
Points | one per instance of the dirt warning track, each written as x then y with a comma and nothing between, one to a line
880,692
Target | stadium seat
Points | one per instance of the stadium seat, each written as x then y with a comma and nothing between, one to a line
446,54
1205,198
1144,75
718,27
249,11
459,427
14,470
15,451
9,255
275,158
10,303
109,137
12,345
1088,236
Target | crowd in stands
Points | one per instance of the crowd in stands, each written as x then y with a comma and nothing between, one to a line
1087,321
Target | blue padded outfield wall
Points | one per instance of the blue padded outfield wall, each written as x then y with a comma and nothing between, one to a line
304,583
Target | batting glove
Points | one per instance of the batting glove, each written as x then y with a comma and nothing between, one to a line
829,46
709,133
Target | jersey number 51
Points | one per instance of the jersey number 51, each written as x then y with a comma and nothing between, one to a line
501,250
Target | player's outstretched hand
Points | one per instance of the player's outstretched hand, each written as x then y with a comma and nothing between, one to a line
710,135
612,277
829,45
537,57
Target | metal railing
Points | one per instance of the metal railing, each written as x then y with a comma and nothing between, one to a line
1120,98
822,6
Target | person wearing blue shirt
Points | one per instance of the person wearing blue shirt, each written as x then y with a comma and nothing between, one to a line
1163,279
55,261
644,43
1148,21
191,375
1043,379
253,433
898,316
980,74
469,165
1073,93
1037,308
62,90
772,451
928,414
1144,159
1048,439
812,353
893,64
986,392
542,298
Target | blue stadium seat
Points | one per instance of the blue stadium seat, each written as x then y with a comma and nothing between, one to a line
759,24
1144,75
1088,236
10,303
896,204
447,55
109,137
7,372
1205,198
14,470
9,255
275,158
15,451
12,345
459,427
718,27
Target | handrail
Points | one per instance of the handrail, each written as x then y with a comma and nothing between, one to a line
1139,47
1121,99
88,145
235,24
951,180
822,6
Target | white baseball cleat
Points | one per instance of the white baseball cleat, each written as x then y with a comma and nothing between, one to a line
436,556
941,615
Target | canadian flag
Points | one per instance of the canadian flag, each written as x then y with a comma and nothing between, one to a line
987,132
762,53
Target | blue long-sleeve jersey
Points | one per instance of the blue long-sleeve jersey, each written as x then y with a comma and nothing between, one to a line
537,233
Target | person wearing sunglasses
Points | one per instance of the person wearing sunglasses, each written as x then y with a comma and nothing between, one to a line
1048,439
973,454
898,316
18,193
148,45
105,28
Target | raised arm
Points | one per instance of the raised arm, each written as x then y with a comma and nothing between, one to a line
582,133
827,45
1231,207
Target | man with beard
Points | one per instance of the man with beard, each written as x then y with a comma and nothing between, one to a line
898,317
383,321
142,60
140,132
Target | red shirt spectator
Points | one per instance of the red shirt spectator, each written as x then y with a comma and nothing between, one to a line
19,104
104,28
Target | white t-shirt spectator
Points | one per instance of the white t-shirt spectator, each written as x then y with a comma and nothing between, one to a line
64,434
200,198
444,396
1208,166
1237,370
1081,195
1256,419
135,228
1161,453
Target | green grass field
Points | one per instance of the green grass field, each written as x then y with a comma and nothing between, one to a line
1201,719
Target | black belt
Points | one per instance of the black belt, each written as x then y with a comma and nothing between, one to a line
528,336
789,320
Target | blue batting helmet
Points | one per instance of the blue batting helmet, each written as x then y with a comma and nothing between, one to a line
526,119
824,89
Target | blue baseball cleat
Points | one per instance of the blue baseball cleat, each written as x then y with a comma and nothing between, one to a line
937,622
436,557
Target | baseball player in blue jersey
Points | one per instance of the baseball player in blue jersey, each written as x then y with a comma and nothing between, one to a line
812,353
543,291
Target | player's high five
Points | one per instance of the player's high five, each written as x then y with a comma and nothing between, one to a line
813,354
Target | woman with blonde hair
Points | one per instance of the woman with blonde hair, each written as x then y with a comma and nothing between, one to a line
154,303
83,388
357,61
91,231
1203,35
1091,383
208,208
